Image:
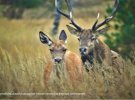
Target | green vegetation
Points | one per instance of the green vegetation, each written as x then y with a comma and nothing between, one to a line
22,3
14,9
122,39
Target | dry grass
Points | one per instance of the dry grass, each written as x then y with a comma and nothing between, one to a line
23,58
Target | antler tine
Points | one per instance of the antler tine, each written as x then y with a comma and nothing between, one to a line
96,26
56,5
70,16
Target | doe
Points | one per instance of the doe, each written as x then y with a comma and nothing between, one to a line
64,63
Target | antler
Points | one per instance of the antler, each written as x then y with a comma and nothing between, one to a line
70,16
96,25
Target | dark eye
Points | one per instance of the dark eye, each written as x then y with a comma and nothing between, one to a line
51,50
78,39
64,49
92,39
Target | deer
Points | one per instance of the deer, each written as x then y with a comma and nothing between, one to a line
64,65
92,48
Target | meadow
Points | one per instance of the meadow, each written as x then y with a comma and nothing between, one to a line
23,59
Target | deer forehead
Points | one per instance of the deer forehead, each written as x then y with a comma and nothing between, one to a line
86,33
58,45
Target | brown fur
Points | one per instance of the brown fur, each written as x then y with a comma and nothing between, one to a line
103,52
47,72
74,66
72,62
109,57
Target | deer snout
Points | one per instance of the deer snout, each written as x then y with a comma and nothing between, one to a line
83,50
58,60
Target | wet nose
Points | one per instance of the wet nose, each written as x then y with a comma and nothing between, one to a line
83,50
58,60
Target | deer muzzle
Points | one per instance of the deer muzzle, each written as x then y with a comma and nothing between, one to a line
57,60
83,50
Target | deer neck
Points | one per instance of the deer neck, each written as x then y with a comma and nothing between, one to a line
59,72
100,51
97,51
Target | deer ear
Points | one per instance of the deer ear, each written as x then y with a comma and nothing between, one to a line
45,39
63,36
102,31
73,30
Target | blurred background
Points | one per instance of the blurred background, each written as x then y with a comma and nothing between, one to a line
21,20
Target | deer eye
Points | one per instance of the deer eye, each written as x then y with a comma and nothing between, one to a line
64,49
92,39
51,50
78,39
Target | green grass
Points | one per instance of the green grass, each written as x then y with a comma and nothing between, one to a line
23,59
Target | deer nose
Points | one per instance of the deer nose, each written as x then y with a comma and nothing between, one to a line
83,50
58,60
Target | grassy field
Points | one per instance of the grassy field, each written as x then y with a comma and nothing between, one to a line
23,59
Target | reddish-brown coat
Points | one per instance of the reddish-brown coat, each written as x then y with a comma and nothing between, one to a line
47,72
73,64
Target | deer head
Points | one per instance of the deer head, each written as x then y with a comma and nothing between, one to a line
87,37
57,49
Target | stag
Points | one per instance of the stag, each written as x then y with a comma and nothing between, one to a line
92,49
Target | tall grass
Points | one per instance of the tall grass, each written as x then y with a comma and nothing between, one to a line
24,74
23,59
